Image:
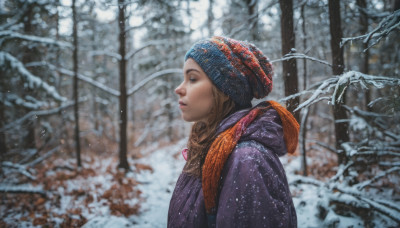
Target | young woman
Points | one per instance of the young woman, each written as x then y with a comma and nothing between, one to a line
232,176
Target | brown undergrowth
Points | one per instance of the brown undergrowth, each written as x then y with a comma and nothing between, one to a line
74,195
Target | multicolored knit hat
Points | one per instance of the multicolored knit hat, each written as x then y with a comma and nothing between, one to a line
239,69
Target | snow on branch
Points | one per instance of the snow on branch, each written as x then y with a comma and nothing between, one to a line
347,199
306,180
390,164
385,27
349,149
35,114
146,45
340,84
300,56
355,76
323,88
86,79
31,80
373,14
26,188
41,158
323,145
380,154
366,114
152,77
105,53
366,183
28,102
389,204
22,169
6,35
391,212
340,172
16,18
374,149
304,92
370,119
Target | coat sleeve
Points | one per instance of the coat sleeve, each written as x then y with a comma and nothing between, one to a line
254,191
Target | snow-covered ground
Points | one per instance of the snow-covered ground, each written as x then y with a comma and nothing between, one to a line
157,187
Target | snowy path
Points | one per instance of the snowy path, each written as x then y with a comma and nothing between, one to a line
158,186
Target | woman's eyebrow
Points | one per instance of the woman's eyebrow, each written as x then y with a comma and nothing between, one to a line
190,70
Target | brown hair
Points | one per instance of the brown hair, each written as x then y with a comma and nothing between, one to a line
203,133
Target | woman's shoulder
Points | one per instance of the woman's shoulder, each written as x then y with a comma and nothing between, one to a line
253,153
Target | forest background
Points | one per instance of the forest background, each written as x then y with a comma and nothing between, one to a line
87,90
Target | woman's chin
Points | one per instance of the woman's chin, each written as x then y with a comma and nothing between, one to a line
186,118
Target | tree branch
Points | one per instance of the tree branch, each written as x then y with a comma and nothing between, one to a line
6,35
385,27
152,77
132,53
300,56
366,183
86,79
22,189
31,114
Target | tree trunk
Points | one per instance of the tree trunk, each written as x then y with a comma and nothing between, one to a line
96,115
123,160
303,27
76,105
364,66
303,138
3,144
396,5
253,18
210,17
339,113
304,117
57,83
289,66
29,139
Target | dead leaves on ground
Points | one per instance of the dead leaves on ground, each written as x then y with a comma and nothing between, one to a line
74,193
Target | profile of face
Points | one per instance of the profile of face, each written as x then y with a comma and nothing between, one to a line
195,93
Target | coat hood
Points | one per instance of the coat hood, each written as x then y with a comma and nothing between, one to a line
267,129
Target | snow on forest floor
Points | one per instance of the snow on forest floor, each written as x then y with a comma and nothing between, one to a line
156,188
158,185
100,196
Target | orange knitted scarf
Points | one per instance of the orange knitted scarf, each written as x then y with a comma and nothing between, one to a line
225,142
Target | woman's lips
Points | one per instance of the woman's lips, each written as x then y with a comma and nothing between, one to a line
182,104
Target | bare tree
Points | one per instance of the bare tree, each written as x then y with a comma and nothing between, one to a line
305,115
252,9
3,145
339,113
289,67
364,66
123,141
210,17
29,55
75,92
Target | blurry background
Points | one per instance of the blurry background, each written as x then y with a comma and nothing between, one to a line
87,87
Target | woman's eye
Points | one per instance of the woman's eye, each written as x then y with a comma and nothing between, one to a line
192,79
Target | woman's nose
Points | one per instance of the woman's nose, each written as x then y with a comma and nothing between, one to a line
180,90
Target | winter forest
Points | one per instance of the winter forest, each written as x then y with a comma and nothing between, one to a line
91,133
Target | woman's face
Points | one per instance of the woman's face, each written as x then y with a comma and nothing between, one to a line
195,93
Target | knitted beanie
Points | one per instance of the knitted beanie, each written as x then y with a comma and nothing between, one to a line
237,68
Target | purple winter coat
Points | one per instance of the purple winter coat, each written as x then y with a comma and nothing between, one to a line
253,191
